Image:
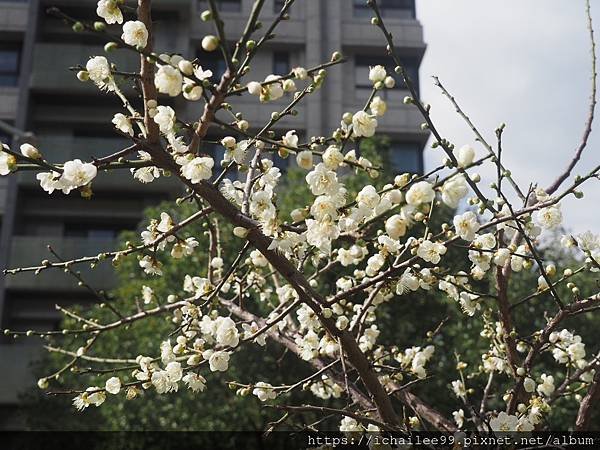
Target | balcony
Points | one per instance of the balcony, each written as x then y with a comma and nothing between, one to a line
31,250
13,16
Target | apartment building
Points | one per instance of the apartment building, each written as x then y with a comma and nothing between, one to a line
70,119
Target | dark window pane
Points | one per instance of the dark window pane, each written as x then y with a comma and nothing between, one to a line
9,66
406,157
281,63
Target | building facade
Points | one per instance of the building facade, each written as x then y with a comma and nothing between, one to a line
70,119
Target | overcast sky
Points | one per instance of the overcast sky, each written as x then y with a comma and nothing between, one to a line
525,63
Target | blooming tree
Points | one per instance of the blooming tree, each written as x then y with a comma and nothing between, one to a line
382,240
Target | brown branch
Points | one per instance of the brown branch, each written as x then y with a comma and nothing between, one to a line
584,415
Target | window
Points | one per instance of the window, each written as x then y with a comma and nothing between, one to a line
224,5
362,65
394,9
406,157
9,65
281,63
212,61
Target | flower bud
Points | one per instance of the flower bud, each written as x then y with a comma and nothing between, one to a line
186,67
210,43
110,46
206,16
254,88
30,151
83,75
243,125
389,82
240,232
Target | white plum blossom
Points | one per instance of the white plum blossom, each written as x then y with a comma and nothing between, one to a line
226,332
588,241
7,163
254,88
322,181
113,385
431,251
145,174
546,387
418,193
109,11
368,197
466,225
458,387
363,124
264,391
165,119
202,74
304,159
396,226
465,156
454,190
194,381
333,157
135,33
150,265
300,73
252,329
415,359
377,74
549,218
219,361
272,89
459,417
290,139
77,173
198,169
168,80
504,422
378,106
123,124
100,73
